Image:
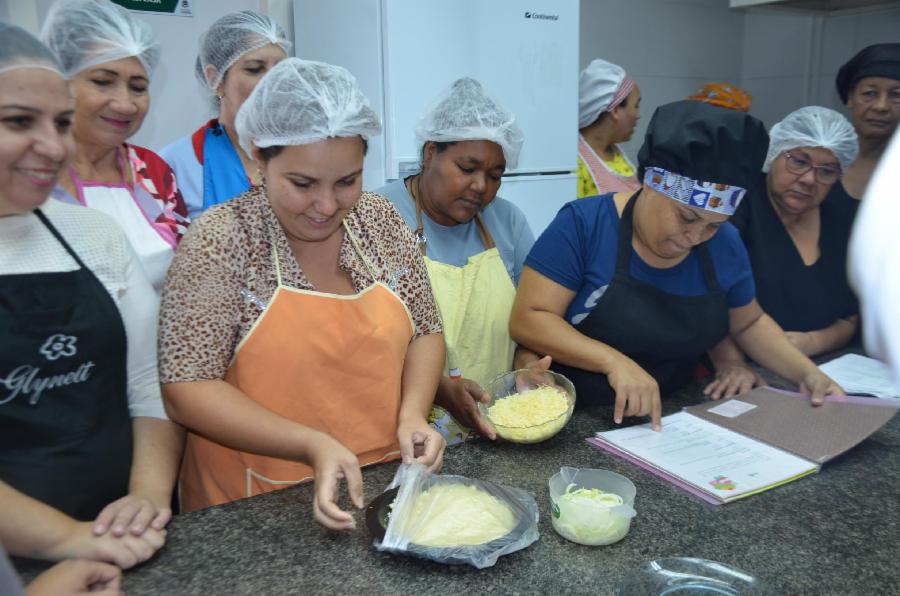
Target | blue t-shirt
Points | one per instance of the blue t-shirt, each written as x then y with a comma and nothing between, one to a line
181,158
454,245
578,251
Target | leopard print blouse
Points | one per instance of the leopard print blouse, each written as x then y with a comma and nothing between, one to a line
223,275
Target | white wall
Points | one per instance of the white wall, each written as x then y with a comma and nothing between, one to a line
785,58
777,55
790,59
670,47
178,104
843,35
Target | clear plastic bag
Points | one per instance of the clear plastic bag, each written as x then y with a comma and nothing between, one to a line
408,518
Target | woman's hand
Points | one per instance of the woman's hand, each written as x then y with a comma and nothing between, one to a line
333,462
637,393
817,385
126,551
77,577
805,341
132,513
732,379
460,397
535,374
421,444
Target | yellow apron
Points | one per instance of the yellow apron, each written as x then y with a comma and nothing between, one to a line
475,302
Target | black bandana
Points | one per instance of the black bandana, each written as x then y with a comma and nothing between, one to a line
879,60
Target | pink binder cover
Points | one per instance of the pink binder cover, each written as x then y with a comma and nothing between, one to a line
876,412
787,420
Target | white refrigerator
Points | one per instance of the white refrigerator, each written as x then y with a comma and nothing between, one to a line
406,52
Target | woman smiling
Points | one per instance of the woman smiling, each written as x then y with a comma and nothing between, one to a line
235,53
87,457
108,57
315,345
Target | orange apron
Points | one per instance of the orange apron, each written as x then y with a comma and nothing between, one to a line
327,361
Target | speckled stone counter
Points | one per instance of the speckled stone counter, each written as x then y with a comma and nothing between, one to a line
836,532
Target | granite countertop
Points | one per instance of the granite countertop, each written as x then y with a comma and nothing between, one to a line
836,532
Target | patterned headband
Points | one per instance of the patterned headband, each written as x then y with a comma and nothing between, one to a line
622,93
711,196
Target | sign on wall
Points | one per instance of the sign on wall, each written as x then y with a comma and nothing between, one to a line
178,8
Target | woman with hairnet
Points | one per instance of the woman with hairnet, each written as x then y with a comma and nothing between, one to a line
298,335
88,458
627,291
869,85
108,58
235,53
609,104
797,240
473,242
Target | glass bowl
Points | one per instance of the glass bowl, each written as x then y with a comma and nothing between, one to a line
520,381
684,576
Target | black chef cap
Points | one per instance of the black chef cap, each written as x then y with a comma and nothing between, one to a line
705,142
879,60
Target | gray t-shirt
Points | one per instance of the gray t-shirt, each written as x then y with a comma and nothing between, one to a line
454,245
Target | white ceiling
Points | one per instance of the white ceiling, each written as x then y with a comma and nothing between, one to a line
817,5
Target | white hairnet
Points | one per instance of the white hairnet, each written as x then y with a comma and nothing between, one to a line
464,112
300,102
231,37
601,87
21,49
85,33
813,126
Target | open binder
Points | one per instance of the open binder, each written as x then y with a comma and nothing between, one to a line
726,450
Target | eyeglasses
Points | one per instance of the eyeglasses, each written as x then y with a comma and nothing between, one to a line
800,165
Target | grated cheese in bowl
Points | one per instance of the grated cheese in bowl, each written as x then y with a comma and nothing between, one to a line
529,412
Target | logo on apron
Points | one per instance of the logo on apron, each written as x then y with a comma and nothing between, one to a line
59,345
24,379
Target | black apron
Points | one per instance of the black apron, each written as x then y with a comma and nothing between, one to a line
665,334
65,431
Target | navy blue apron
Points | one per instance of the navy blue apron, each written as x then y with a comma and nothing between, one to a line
665,334
65,430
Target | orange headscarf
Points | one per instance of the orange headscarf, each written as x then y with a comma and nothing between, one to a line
725,95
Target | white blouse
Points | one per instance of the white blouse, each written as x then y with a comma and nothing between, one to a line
27,246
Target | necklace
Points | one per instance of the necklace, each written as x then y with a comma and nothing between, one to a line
416,193
412,185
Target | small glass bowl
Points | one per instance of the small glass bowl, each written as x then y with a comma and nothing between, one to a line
685,576
519,381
